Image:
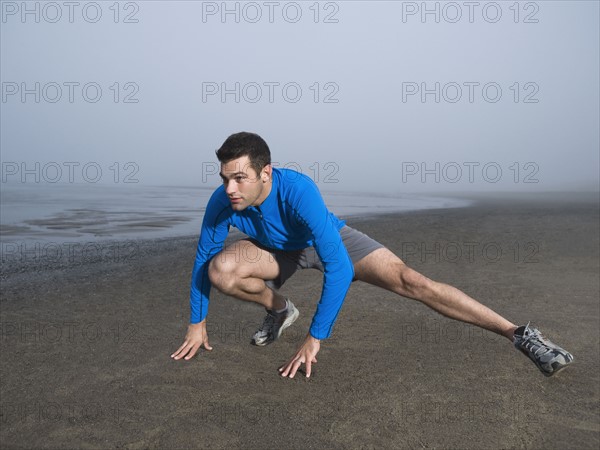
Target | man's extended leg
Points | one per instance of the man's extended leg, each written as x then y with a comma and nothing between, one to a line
384,269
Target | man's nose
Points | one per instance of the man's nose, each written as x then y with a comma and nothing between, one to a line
230,187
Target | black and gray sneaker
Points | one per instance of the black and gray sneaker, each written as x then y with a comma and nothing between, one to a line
274,324
547,356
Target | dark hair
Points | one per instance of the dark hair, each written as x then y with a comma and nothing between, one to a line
245,144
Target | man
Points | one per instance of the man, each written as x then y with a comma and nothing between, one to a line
290,228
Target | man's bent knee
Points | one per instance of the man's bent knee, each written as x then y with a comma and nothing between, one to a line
223,271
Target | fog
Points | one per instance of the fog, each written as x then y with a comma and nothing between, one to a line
386,97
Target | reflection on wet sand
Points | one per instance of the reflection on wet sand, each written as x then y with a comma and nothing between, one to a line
79,222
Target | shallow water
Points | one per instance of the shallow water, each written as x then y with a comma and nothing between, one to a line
87,212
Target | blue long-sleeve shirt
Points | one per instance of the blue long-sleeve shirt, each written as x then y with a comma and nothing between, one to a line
292,217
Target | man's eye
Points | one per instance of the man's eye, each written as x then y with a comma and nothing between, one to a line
239,179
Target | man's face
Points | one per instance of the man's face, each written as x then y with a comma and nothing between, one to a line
243,185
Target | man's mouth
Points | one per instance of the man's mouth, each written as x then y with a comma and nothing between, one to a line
235,199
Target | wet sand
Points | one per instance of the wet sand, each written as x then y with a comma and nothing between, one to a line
86,339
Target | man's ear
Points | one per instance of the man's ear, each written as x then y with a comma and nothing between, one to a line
267,173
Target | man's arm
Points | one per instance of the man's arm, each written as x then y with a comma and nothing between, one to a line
215,228
337,276
338,270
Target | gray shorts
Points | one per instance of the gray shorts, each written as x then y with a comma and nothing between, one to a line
357,244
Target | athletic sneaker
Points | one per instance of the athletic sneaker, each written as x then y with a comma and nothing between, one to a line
274,324
547,356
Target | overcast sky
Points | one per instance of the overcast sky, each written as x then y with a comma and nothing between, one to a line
361,96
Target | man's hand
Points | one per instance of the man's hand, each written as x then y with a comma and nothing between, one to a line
306,354
196,337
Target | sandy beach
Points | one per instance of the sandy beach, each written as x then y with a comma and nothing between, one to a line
86,340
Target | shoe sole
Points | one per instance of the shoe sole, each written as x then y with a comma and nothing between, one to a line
561,367
287,322
556,370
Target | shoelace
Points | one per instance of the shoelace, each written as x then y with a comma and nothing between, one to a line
534,338
268,322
